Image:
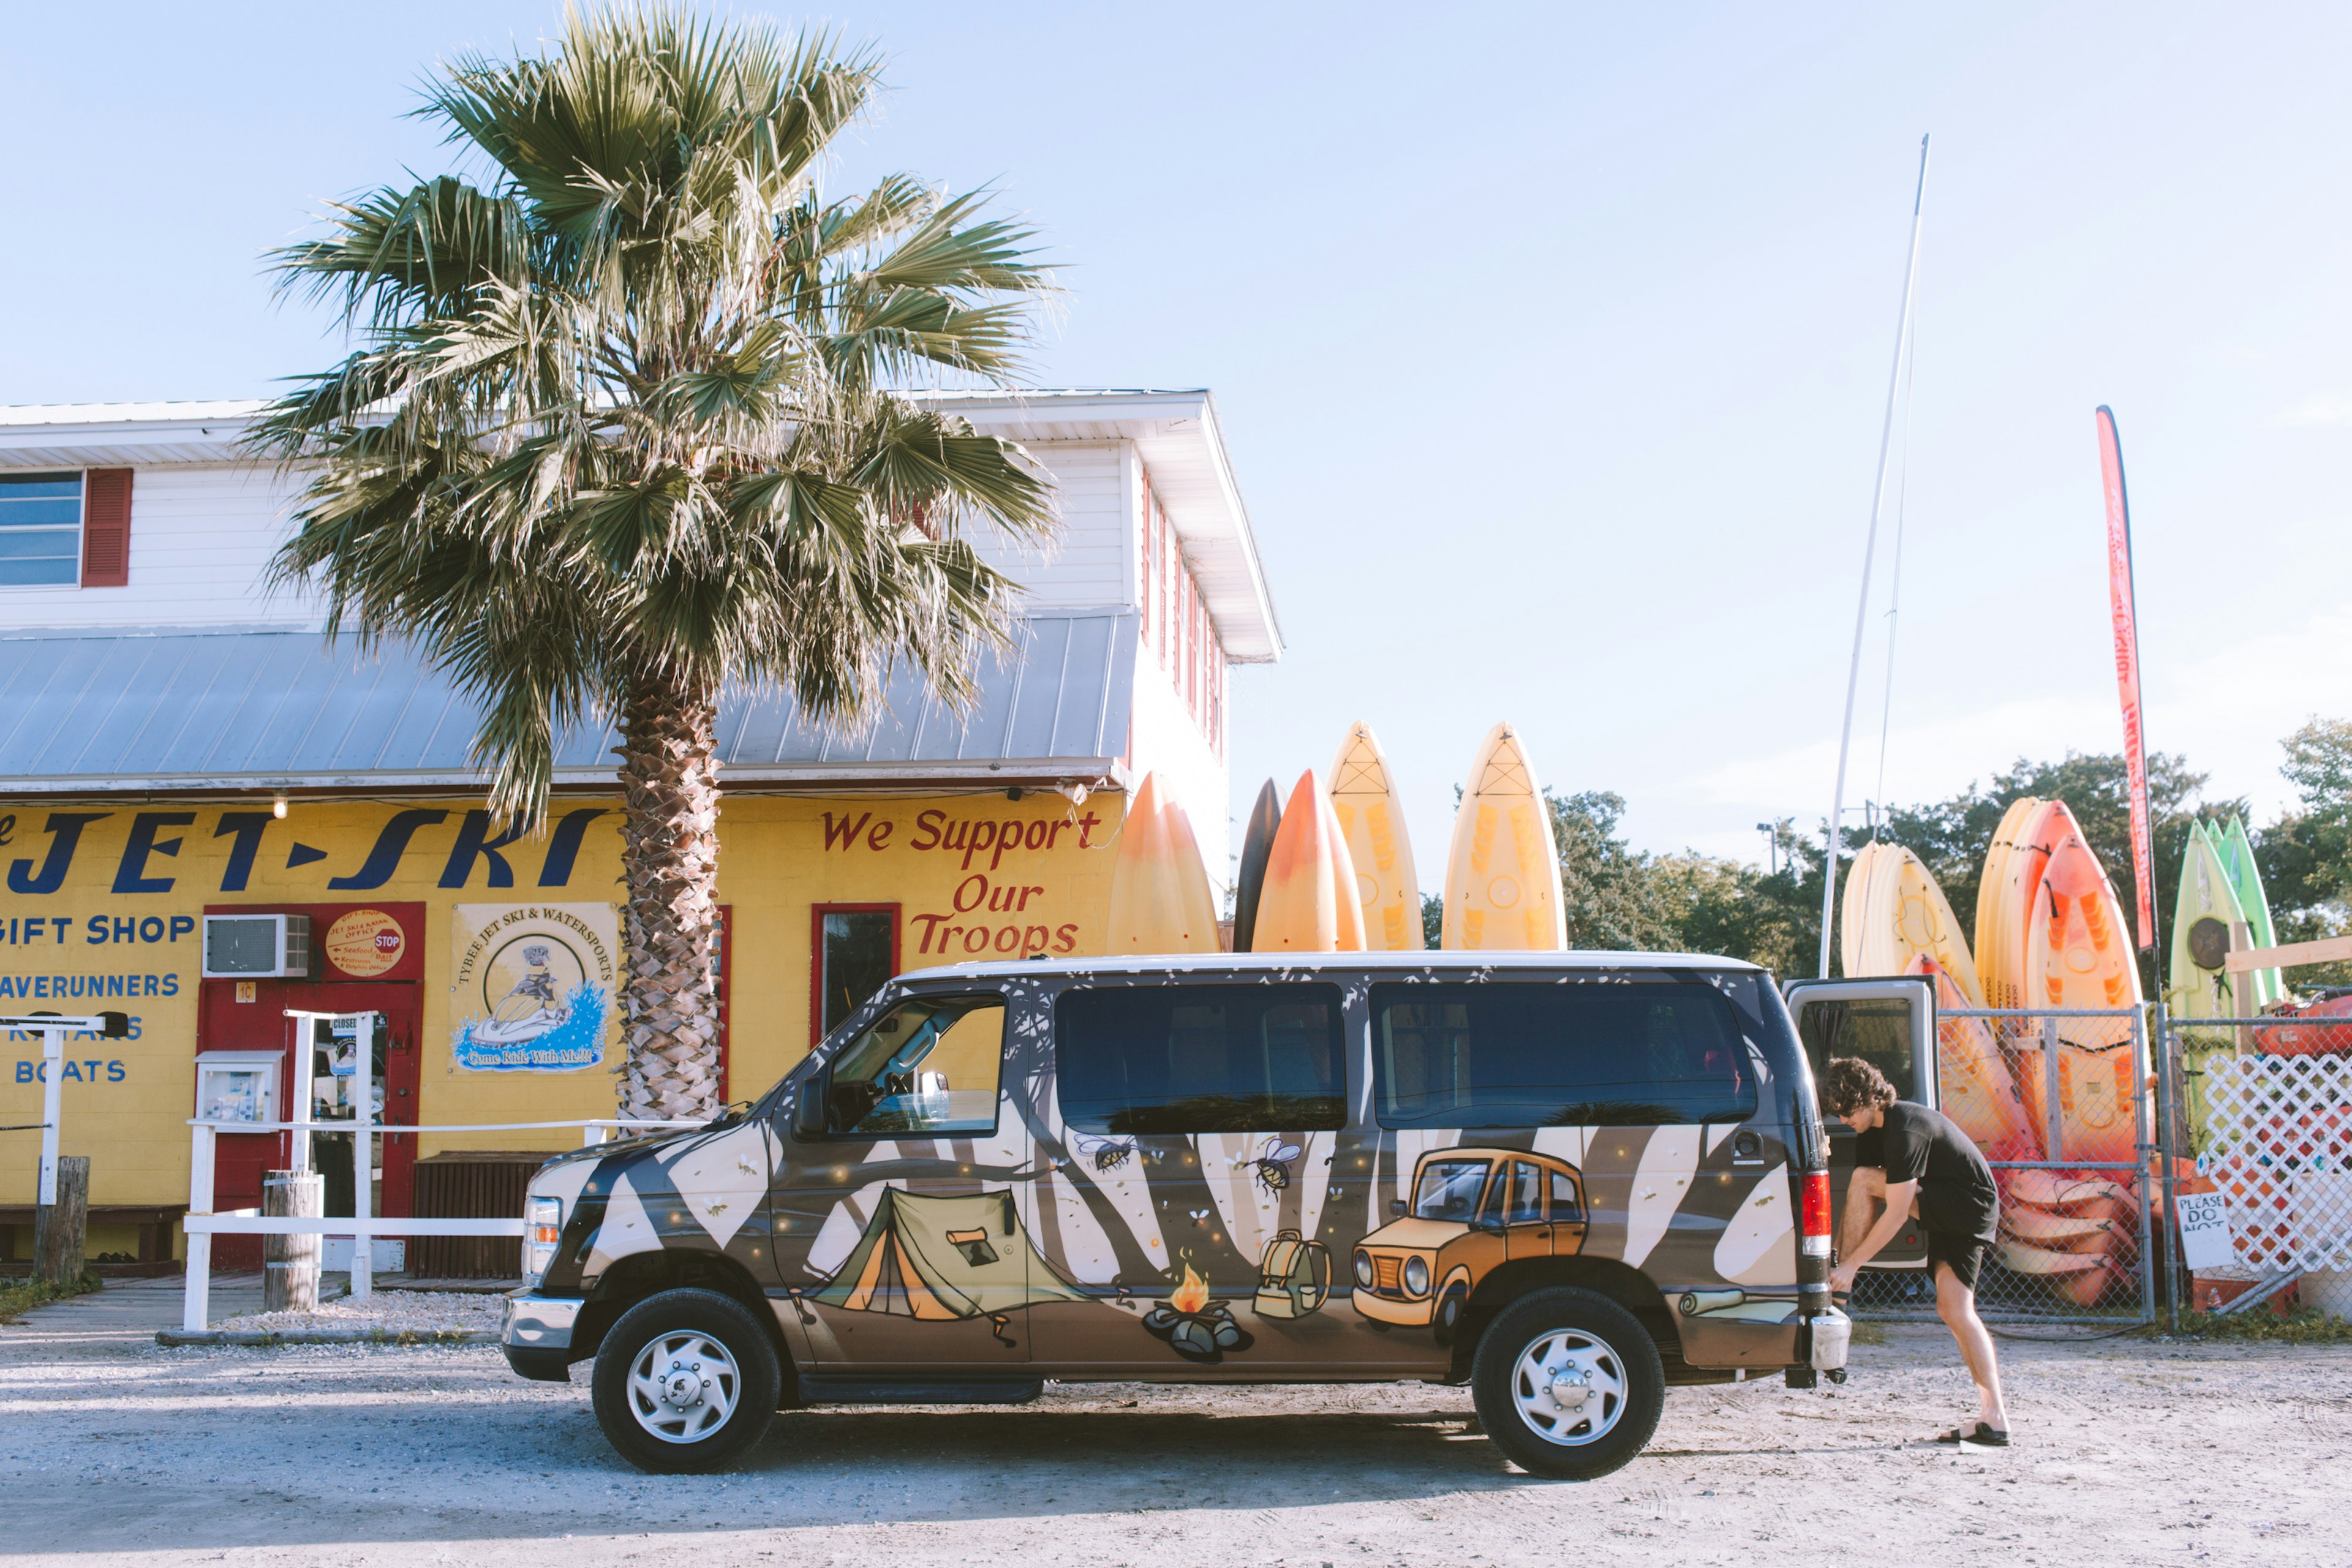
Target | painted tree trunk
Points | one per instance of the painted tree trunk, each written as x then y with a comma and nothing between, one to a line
669,861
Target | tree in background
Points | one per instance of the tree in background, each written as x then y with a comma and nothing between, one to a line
623,425
2306,856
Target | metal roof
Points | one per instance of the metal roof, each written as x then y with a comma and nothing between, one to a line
261,708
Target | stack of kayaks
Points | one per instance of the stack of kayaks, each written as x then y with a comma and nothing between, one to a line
2050,935
1297,891
2221,907
1894,910
1334,871
1160,896
2064,945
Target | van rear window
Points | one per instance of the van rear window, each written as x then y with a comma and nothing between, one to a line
1199,1058
1607,1054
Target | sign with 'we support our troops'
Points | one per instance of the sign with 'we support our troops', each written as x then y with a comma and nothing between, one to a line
532,986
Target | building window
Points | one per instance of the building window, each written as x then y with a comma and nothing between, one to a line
855,951
40,530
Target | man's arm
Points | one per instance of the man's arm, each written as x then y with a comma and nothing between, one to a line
1898,1209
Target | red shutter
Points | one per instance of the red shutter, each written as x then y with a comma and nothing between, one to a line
106,527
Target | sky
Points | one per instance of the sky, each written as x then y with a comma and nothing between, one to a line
1550,343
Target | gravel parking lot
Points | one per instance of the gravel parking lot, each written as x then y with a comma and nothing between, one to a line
120,1450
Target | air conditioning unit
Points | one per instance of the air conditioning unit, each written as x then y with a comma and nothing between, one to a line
256,947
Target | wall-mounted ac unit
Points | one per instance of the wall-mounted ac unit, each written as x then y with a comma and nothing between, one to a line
258,947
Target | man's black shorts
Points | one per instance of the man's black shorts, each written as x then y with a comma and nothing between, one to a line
1964,1253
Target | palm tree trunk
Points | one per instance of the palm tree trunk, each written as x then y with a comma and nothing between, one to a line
669,861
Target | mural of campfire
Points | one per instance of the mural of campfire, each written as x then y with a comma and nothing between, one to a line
1196,1327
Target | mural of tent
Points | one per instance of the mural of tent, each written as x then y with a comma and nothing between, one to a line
944,1259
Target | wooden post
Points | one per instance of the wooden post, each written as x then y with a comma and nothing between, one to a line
60,1229
289,1277
195,1303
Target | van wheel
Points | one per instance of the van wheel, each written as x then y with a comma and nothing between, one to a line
1568,1383
684,1382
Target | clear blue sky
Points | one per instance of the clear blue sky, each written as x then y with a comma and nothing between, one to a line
1550,341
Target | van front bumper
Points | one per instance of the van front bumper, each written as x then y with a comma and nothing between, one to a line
535,1330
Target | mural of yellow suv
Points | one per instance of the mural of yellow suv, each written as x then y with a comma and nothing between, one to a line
1472,1209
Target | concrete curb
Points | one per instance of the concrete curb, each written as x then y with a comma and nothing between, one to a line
268,1337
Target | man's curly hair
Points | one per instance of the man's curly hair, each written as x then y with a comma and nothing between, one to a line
1849,1083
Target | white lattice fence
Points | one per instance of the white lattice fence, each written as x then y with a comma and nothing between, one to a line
2279,1133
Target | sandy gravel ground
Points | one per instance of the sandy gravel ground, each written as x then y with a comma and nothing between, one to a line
116,1450
393,1311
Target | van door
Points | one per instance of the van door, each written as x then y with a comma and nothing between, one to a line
902,1165
1190,1135
1890,1024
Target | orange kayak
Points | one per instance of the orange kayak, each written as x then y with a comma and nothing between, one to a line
1977,1090
1308,902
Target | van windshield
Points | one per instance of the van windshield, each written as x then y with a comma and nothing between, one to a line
1448,1189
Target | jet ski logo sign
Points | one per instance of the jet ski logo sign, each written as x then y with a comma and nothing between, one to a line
532,986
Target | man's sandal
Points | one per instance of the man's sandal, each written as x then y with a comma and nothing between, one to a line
1983,1434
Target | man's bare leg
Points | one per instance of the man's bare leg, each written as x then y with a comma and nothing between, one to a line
1866,1194
1956,1305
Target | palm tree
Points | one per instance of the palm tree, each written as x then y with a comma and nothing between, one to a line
624,421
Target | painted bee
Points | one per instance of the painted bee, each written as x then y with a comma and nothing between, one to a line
1104,1153
1271,1165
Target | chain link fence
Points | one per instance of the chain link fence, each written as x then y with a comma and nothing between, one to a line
2068,1111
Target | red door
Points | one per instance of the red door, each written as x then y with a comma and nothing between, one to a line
261,1023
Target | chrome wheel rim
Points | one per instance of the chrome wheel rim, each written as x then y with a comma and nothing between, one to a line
1570,1388
683,1387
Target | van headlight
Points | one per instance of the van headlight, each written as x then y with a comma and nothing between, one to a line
543,1227
1364,1270
1416,1276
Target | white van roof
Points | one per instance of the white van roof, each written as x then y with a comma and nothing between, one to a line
1426,959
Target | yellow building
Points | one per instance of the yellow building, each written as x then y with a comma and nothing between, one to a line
176,742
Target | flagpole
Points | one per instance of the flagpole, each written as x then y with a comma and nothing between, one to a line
1869,547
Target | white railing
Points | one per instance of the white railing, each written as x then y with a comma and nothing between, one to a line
203,1223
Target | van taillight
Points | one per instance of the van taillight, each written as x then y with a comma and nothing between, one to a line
1816,1203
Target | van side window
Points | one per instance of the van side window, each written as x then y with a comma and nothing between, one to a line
929,1065
1608,1053
1199,1058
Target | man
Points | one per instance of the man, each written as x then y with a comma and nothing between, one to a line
1911,1161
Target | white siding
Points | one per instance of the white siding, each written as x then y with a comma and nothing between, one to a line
202,536
1087,567
1167,740
201,539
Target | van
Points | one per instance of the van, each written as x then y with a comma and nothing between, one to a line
1569,1180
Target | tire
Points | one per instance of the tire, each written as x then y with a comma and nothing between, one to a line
1603,1404
661,1400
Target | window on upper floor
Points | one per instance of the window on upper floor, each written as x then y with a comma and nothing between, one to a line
65,529
40,529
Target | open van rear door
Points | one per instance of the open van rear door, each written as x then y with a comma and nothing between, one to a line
1890,1024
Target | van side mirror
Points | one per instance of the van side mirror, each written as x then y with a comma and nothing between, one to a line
1396,1207
808,1108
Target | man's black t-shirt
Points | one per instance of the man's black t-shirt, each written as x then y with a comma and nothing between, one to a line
1918,1144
